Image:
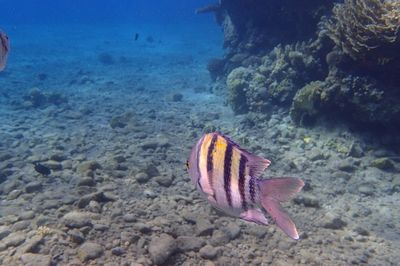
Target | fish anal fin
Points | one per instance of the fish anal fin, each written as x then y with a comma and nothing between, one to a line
255,216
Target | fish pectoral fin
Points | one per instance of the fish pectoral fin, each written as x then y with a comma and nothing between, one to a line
212,199
255,216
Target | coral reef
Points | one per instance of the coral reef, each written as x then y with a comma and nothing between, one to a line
300,57
367,30
275,79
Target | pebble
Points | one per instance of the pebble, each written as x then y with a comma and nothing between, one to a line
366,189
346,167
14,194
86,181
130,218
164,180
75,219
151,170
14,239
189,243
31,259
76,236
307,200
21,225
219,238
161,248
58,157
118,251
383,164
204,227
332,221
4,231
208,252
27,215
232,230
53,165
89,251
33,186
88,166
142,177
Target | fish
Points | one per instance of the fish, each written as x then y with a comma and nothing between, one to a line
4,49
229,178
136,36
41,169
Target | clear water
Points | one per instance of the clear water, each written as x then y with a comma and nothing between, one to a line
116,116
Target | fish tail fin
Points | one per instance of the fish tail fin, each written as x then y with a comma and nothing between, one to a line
276,190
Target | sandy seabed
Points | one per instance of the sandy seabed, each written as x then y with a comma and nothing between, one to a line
115,119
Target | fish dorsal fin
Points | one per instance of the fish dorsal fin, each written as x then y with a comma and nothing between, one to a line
256,164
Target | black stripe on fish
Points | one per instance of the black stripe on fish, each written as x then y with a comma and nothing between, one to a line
242,180
210,162
227,173
252,190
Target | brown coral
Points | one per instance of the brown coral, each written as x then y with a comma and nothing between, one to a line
367,30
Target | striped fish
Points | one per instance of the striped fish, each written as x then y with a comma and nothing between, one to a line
4,49
228,177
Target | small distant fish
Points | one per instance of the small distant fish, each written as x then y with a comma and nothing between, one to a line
136,36
41,169
228,177
4,49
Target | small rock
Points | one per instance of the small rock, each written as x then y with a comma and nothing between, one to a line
76,236
208,252
53,165
88,166
361,231
58,157
21,225
152,170
307,200
355,151
177,97
346,167
33,186
86,181
164,180
366,189
118,251
75,219
142,177
89,251
383,164
332,221
143,228
232,230
219,238
161,248
27,215
4,231
130,218
189,243
204,227
13,194
31,259
14,239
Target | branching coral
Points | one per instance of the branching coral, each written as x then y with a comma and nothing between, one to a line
367,30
